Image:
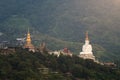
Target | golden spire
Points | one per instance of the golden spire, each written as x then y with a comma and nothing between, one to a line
28,42
87,38
28,30
28,39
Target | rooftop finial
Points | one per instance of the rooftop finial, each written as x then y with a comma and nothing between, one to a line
28,30
87,38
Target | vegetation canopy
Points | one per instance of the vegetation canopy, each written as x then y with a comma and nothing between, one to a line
24,65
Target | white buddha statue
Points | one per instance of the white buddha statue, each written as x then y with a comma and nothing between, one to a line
87,50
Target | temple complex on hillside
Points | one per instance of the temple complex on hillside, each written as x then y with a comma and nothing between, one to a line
28,45
64,51
87,50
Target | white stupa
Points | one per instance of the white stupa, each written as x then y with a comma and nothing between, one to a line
87,50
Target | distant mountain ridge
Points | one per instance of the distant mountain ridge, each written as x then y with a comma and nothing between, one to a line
66,20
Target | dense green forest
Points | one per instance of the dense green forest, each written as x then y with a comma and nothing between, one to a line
62,23
25,65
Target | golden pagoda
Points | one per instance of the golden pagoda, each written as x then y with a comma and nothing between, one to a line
28,43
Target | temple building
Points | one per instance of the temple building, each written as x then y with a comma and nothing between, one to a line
43,48
87,50
28,45
64,51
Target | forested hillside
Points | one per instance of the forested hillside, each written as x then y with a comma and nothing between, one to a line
24,65
64,22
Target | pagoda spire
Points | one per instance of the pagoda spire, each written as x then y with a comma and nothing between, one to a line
28,30
87,38
28,38
28,42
